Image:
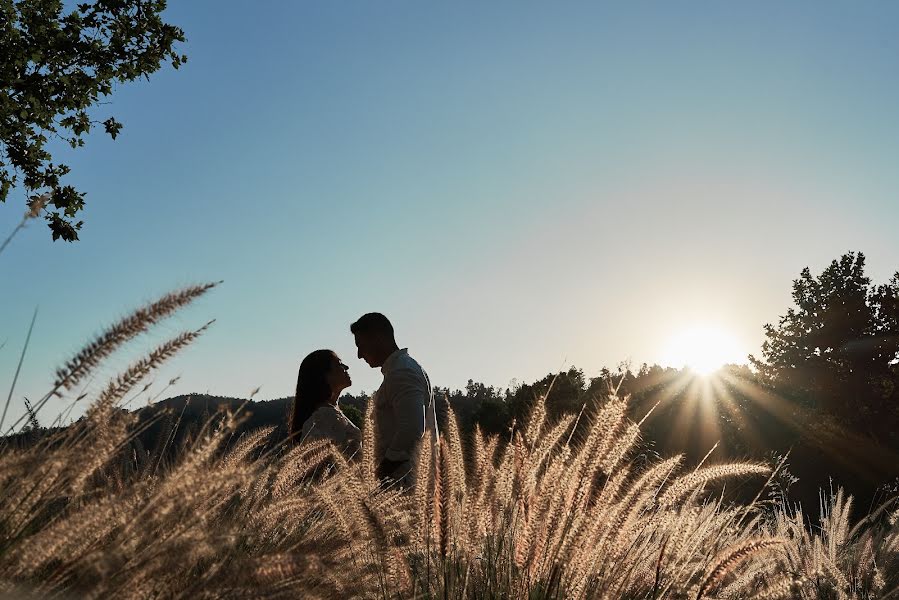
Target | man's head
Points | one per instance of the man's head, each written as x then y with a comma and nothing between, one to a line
374,338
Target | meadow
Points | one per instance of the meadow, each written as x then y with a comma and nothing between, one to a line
539,513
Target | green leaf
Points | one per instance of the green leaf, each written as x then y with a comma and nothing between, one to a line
81,54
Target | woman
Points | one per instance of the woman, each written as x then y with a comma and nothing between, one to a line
315,415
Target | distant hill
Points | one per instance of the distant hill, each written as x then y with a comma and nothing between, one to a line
162,428
175,420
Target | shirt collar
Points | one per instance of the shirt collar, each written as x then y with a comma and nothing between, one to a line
391,360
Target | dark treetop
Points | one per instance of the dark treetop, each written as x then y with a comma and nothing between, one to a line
55,68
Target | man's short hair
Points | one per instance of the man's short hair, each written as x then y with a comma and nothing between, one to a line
372,323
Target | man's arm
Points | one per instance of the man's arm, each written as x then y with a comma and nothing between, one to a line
410,395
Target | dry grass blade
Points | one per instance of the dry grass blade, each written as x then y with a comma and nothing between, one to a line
15,378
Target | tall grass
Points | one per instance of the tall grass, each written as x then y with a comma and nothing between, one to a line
88,512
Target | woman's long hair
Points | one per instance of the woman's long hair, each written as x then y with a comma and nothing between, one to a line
312,390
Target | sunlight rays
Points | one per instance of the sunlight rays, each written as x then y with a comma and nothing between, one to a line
695,412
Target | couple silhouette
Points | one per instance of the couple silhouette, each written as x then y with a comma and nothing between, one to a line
403,406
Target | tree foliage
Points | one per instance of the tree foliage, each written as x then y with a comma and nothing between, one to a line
837,348
57,65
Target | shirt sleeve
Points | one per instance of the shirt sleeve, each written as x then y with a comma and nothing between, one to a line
409,395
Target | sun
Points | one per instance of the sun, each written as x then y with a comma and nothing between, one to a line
703,348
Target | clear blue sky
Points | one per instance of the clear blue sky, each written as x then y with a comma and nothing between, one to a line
519,187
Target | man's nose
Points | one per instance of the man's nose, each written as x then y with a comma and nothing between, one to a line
359,353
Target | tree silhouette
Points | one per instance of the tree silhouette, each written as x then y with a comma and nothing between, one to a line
55,67
836,350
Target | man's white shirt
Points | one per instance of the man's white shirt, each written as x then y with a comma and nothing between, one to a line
403,408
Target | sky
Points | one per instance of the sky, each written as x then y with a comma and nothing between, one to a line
519,186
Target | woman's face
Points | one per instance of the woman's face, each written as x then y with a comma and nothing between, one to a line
338,376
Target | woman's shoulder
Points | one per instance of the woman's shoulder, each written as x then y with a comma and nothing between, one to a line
324,413
327,419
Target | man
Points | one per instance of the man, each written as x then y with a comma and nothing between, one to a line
403,405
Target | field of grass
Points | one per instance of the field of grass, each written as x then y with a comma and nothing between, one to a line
535,514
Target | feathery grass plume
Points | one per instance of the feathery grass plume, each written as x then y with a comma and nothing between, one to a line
581,478
765,571
692,529
544,511
608,423
699,478
558,518
382,531
482,481
247,444
139,321
329,498
110,431
278,566
480,461
627,520
863,567
571,538
548,443
835,522
453,468
105,439
367,465
27,492
872,517
501,488
281,574
455,459
642,491
122,384
784,588
317,456
828,565
440,502
858,563
628,438
182,482
278,519
65,541
578,483
537,419
480,464
734,556
541,495
424,466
